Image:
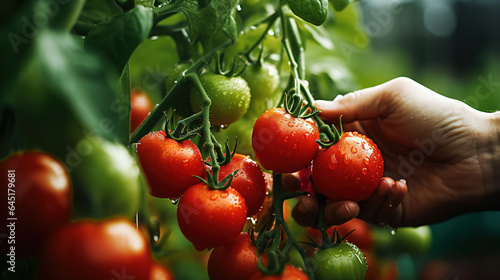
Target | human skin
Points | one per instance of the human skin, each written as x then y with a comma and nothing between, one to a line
442,157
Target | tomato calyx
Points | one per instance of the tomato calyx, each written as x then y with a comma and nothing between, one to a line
238,66
295,106
180,131
332,134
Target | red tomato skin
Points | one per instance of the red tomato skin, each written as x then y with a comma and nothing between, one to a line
351,169
284,143
96,250
42,198
210,218
248,181
169,165
159,272
290,273
362,236
140,106
236,260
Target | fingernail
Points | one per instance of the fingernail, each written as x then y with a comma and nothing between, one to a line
344,213
339,96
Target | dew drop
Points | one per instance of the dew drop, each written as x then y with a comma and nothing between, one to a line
174,201
393,231
366,161
333,162
252,220
213,197
285,139
364,170
347,159
358,180
291,124
354,150
224,195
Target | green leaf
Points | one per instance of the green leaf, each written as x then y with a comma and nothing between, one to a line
117,37
65,93
206,18
94,12
313,11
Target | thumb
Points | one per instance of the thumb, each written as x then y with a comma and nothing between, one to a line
365,104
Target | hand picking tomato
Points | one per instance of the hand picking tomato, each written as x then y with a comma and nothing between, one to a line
140,106
290,272
36,190
236,260
111,249
284,143
169,165
210,218
344,261
248,181
230,98
350,169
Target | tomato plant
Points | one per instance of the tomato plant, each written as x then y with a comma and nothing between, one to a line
169,165
236,260
230,98
344,261
140,106
284,143
349,169
209,217
36,190
96,250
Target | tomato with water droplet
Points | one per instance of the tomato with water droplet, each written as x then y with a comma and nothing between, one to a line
339,173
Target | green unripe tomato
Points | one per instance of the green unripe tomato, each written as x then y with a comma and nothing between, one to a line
263,80
413,240
230,98
345,261
105,179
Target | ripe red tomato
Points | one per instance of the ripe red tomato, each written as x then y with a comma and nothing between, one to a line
361,237
140,106
236,260
248,181
110,249
351,169
284,143
169,165
159,272
290,273
210,218
36,189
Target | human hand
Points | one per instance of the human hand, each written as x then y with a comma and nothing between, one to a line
437,154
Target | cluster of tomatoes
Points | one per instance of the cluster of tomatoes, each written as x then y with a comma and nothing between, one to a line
65,249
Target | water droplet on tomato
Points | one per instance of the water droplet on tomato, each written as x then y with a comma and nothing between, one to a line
333,162
224,194
347,159
366,161
364,170
354,150
285,139
291,124
213,197
359,155
358,180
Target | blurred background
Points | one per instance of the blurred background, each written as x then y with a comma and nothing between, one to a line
452,47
